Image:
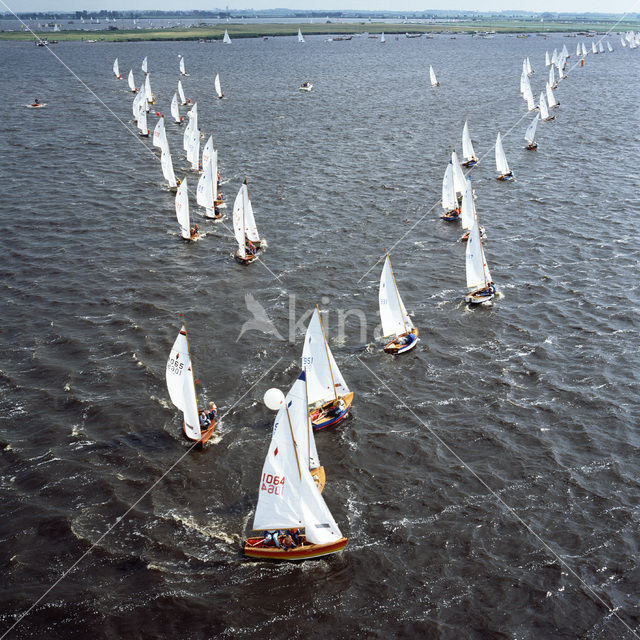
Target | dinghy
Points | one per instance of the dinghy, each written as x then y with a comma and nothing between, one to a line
183,100
547,62
159,134
622,42
584,50
502,167
142,119
552,78
193,150
468,214
131,81
218,88
288,496
382,40
578,50
167,169
306,86
145,66
459,182
544,111
600,48
192,114
449,200
593,48
396,323
116,70
530,134
609,47
467,147
478,277
182,69
182,389
175,110
551,98
226,39
244,227
36,105
527,93
432,76
182,213
329,396
151,99
207,191
300,38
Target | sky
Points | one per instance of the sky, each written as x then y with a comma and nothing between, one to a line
613,6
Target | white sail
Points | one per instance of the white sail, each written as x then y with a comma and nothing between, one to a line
206,192
300,38
207,151
142,117
116,69
467,147
137,101
250,227
324,380
551,99
501,160
226,39
449,201
578,50
622,42
393,315
432,76
382,37
239,207
530,133
192,125
216,84
544,111
565,52
181,386
477,271
182,210
159,134
528,94
528,64
145,66
593,48
459,181
183,100
175,110
584,50
600,48
468,212
131,81
552,76
554,57
547,62
609,47
183,71
193,150
147,89
167,167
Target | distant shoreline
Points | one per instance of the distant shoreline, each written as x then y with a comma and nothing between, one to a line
269,30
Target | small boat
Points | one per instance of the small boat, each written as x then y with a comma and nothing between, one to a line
183,100
145,66
167,168
142,118
182,69
459,182
329,396
288,496
547,62
139,102
600,48
396,323
413,35
131,81
502,167
594,49
478,276
468,214
182,213
300,38
584,50
182,389
187,136
544,110
218,88
207,191
449,200
382,40
609,47
175,109
527,93
159,134
551,98
622,42
226,39
193,150
578,50
36,105
467,147
244,227
306,86
530,134
552,78
151,99
116,70
432,77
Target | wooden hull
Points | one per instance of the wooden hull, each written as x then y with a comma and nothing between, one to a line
247,260
396,349
470,163
479,296
253,549
205,435
323,421
505,177
531,147
451,216
319,477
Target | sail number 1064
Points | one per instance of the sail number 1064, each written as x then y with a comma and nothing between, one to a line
272,484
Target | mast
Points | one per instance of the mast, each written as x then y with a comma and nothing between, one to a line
295,446
309,427
397,295
326,350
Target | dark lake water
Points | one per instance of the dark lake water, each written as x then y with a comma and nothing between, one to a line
530,403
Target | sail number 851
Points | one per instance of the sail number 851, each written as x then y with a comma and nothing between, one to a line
272,484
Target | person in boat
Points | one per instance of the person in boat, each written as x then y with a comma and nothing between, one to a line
204,420
271,539
250,248
194,231
216,210
505,176
36,103
219,178
288,543
337,408
294,534
213,411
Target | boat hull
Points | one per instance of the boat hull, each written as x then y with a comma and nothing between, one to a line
205,435
247,260
475,297
451,216
253,549
324,421
319,477
396,349
505,178
470,163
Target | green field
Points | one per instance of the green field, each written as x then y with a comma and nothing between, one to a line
269,30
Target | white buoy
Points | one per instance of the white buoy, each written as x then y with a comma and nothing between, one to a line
273,398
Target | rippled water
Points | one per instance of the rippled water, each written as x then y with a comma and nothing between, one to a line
535,395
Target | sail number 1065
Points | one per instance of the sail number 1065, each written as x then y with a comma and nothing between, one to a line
272,484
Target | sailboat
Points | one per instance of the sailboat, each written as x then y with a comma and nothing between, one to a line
584,50
244,227
305,86
468,214
182,389
467,147
218,88
145,66
544,111
193,150
182,69
551,98
151,99
182,213
142,119
552,78
207,191
578,50
131,81
191,125
593,48
183,100
300,38
175,110
504,173
609,47
116,70
432,77
226,39
288,497
600,48
159,134
478,275
167,168
382,40
622,42
329,396
547,62
449,200
396,323
458,176
527,93
530,134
